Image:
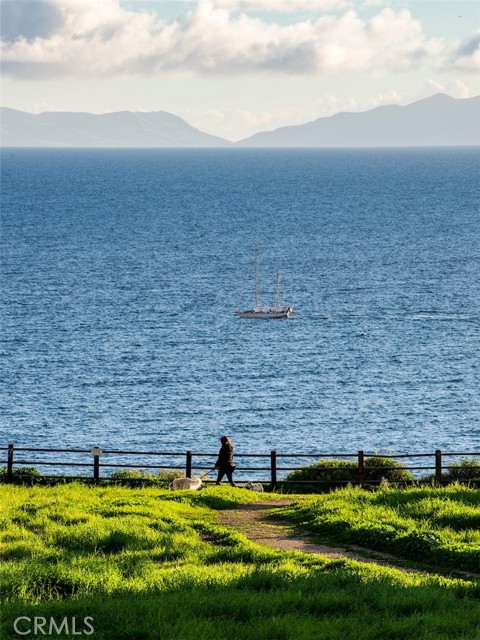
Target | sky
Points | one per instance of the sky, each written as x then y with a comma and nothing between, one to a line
235,67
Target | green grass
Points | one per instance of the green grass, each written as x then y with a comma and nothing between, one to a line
148,564
435,525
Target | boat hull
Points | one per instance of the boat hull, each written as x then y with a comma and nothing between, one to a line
263,315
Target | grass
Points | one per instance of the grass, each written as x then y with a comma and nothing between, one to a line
149,564
435,525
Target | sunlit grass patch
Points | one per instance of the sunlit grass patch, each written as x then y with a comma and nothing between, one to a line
439,525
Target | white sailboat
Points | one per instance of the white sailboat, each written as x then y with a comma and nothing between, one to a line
263,311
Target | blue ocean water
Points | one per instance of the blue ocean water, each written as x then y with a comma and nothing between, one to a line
121,271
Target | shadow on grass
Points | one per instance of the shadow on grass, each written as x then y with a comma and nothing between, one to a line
335,601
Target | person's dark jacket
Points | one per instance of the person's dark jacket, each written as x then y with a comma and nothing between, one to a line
225,457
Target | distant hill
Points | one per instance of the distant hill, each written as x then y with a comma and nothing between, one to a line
436,121
122,129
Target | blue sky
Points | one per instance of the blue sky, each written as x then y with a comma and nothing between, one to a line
234,67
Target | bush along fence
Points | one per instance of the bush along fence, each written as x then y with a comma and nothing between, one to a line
325,470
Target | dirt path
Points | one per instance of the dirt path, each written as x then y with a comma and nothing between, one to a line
252,521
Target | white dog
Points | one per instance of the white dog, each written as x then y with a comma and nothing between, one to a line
180,484
254,486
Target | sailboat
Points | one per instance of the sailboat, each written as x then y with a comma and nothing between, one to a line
262,311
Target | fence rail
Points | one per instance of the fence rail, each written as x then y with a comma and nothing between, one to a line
97,455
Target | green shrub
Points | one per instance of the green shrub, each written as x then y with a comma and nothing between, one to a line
140,477
464,470
30,472
336,473
328,469
378,469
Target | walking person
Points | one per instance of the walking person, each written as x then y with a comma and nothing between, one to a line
224,464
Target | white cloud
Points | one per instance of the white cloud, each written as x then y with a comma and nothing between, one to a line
330,104
455,88
438,86
374,3
282,6
101,39
388,97
41,107
460,89
239,123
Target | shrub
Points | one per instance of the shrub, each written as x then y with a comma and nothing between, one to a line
29,472
137,477
464,470
332,473
378,469
337,473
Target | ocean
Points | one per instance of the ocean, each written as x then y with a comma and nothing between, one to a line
121,271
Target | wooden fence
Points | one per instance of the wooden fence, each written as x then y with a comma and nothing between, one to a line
97,459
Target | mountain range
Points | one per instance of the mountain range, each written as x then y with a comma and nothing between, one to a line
120,129
436,121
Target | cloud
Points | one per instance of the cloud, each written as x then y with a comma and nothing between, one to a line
374,3
102,39
388,97
467,55
456,89
282,6
330,104
29,19
239,123
439,87
460,89
41,107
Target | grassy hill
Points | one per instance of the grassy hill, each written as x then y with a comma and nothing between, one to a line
149,564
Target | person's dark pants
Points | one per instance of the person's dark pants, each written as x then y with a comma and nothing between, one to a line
228,473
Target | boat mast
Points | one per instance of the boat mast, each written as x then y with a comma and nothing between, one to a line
256,276
277,297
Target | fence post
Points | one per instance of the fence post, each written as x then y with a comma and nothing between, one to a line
96,468
273,468
361,468
188,465
10,463
438,466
